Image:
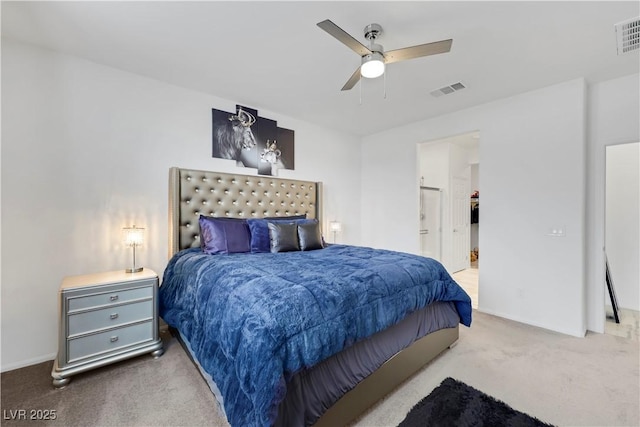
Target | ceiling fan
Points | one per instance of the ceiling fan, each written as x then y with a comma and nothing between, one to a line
374,57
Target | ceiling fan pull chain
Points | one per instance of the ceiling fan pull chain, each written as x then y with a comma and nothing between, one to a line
384,84
361,91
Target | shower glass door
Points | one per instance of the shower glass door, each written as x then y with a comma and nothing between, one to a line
430,218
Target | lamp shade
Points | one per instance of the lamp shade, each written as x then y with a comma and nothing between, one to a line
372,65
335,226
133,236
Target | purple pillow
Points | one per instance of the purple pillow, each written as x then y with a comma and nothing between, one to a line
224,235
259,231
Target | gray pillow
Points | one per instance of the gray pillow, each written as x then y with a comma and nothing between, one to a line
309,236
283,236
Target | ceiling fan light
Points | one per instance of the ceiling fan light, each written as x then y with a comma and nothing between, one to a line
372,65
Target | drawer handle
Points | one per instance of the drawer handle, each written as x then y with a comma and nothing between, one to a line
113,316
113,297
114,339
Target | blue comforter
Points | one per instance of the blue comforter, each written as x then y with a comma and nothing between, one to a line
254,319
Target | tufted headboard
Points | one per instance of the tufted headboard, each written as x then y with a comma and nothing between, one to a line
195,192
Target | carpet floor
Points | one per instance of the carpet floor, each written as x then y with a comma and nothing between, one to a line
453,403
563,380
141,391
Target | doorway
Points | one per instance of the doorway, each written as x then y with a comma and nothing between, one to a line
622,219
469,278
448,172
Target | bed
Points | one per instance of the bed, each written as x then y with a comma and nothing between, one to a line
300,337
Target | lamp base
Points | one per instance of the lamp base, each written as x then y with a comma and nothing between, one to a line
133,270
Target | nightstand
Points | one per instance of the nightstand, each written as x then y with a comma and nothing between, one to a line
106,318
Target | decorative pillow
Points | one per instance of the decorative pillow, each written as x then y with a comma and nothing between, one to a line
309,236
287,218
224,235
283,236
259,231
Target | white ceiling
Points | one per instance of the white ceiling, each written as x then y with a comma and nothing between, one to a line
271,55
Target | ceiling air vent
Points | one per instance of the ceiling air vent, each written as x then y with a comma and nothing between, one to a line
628,35
448,89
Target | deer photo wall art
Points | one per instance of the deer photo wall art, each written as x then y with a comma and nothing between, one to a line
252,141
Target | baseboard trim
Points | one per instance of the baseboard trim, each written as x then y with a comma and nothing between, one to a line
24,363
565,331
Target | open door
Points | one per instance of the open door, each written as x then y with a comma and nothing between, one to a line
460,218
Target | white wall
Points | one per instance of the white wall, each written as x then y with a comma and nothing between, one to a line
532,154
433,161
623,222
86,150
613,118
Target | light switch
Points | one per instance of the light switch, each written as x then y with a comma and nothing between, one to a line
556,232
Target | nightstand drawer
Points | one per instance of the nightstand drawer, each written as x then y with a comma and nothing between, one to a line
109,317
103,342
106,298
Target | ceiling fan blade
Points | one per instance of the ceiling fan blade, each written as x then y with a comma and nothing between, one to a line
427,49
355,77
344,37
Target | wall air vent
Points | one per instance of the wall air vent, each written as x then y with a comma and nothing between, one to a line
628,35
448,89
